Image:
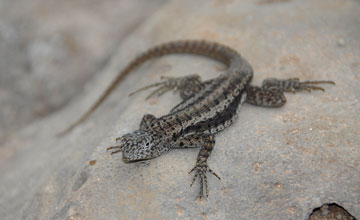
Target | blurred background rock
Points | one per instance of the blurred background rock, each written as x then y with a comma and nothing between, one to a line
50,48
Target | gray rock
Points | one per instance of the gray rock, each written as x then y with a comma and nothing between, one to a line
49,49
274,163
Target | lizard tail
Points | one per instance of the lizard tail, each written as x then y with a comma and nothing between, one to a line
209,49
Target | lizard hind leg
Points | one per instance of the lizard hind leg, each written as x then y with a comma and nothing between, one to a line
272,97
293,84
183,84
161,85
271,93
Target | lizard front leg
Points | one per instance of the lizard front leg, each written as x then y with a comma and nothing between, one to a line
146,121
206,142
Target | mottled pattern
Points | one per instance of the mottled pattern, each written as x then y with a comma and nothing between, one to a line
207,107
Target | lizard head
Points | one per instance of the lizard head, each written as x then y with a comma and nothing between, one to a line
141,145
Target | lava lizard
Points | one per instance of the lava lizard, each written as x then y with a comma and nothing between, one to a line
207,107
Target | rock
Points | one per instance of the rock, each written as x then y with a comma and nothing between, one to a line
274,163
330,212
49,49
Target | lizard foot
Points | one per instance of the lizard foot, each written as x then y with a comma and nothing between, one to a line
293,84
114,147
200,171
309,85
168,83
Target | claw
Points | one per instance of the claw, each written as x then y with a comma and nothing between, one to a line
164,91
164,86
147,87
200,171
158,90
109,148
316,88
318,82
193,179
309,85
213,173
114,152
310,88
206,185
114,147
201,185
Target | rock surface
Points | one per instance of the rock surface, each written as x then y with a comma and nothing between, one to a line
274,163
50,48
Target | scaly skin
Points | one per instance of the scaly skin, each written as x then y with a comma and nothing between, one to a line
207,107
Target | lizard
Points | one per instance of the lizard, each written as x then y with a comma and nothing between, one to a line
207,107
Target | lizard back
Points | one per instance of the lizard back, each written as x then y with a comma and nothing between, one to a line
235,65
